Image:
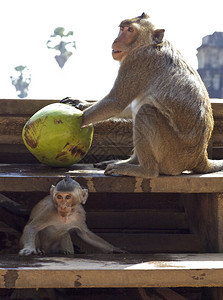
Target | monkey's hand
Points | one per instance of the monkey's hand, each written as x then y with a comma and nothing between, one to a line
28,251
79,104
118,169
104,164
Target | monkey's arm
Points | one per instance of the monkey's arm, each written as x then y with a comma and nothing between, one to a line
102,110
39,219
126,88
126,113
27,240
82,104
94,240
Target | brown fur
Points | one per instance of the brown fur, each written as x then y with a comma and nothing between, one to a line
47,230
171,111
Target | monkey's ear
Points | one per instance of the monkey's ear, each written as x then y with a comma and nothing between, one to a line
84,196
52,189
158,35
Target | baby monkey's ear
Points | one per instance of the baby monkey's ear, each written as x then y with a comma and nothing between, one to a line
52,189
84,196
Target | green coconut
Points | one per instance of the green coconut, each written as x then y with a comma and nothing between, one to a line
55,137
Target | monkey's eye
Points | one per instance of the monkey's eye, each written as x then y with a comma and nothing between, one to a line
130,29
68,197
59,196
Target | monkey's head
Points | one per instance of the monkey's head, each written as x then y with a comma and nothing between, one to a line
67,196
134,33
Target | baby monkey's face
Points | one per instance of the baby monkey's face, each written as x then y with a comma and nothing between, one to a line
65,203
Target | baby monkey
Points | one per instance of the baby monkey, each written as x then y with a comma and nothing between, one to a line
47,230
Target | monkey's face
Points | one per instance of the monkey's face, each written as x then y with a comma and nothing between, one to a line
122,44
65,203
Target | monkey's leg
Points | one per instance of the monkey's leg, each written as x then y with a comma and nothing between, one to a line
133,170
208,165
66,244
52,241
145,139
61,245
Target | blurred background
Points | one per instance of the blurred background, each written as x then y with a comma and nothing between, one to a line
52,49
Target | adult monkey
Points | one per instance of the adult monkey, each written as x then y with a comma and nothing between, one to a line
172,115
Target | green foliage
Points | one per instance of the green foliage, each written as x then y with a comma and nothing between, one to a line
21,81
20,68
60,31
62,42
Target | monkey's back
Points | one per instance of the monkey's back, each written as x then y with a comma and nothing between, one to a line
176,90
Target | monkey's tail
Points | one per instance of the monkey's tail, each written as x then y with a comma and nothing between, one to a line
209,166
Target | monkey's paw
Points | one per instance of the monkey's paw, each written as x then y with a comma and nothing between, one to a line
112,169
79,104
104,164
27,251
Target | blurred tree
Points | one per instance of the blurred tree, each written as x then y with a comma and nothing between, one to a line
21,81
60,42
